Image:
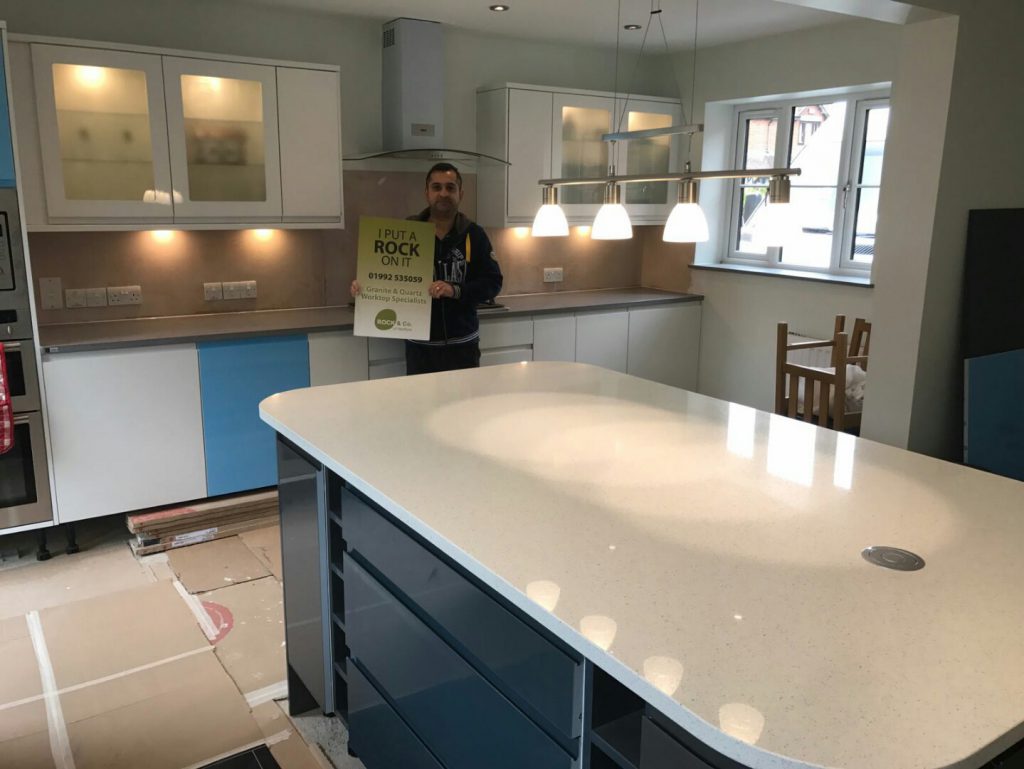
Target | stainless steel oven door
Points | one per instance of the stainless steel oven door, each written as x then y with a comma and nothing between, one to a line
22,375
24,482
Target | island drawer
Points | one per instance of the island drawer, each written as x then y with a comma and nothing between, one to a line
538,675
377,734
465,721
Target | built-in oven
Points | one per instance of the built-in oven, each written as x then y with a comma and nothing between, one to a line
15,316
24,485
22,375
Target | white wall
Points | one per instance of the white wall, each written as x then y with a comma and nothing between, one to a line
740,311
917,134
982,167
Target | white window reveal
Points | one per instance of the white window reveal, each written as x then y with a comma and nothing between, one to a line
839,144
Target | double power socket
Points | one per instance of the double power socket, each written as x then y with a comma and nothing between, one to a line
50,291
229,289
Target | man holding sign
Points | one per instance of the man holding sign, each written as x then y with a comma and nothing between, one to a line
465,273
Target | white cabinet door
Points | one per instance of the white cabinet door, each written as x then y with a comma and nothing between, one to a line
223,135
554,337
102,134
310,146
126,429
602,339
386,357
505,340
664,343
649,201
336,357
529,152
577,151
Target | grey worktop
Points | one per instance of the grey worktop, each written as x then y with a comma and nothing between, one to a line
95,335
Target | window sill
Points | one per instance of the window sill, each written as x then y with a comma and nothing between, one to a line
814,277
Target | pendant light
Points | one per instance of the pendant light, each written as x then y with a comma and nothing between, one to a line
686,223
612,221
550,220
779,226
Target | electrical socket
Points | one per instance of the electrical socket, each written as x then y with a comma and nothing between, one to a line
124,295
239,289
50,294
212,292
553,275
96,297
76,297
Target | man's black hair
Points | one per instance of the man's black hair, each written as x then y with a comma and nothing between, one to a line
444,168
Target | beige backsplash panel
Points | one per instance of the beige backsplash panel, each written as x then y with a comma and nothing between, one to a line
288,267
310,268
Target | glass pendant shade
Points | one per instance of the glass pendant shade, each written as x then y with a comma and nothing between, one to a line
686,223
779,227
550,219
612,221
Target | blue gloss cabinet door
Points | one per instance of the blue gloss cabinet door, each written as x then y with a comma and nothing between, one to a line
6,147
994,415
234,377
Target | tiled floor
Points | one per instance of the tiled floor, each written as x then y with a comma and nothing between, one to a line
235,583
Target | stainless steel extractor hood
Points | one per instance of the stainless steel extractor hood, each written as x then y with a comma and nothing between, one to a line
412,94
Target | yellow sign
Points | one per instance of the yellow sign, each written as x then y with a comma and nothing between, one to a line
395,268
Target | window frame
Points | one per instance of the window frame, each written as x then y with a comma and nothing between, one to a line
858,104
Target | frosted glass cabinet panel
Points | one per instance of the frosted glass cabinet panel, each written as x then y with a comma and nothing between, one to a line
578,151
103,132
222,126
655,155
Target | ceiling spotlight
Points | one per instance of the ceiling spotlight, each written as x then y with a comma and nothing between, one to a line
631,27
499,8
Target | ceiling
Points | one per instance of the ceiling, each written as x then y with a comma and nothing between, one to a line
592,21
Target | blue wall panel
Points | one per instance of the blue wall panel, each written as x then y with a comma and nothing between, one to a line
235,376
995,413
6,147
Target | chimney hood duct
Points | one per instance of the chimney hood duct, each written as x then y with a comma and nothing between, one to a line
412,94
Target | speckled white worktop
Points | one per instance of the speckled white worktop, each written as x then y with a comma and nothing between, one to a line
708,555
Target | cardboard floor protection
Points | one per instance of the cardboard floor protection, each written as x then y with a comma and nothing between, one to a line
66,578
212,565
252,649
265,543
286,744
117,632
181,714
24,736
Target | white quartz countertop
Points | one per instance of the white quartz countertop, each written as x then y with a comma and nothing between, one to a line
173,329
708,555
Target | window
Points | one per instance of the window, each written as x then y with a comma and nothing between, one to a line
838,144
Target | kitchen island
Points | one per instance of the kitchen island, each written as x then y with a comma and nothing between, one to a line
583,568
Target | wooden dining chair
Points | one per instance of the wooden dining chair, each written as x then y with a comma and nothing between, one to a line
818,395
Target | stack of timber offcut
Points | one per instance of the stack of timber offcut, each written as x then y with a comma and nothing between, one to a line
173,527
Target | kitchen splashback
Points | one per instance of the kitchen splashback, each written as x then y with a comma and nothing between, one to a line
309,268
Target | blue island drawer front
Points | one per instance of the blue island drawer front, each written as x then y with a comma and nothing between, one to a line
465,721
543,679
376,734
234,376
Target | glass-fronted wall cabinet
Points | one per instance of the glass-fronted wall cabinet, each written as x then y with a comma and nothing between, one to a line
222,127
654,155
578,150
102,130
149,137
511,123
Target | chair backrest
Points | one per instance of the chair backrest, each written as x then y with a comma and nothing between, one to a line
812,394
